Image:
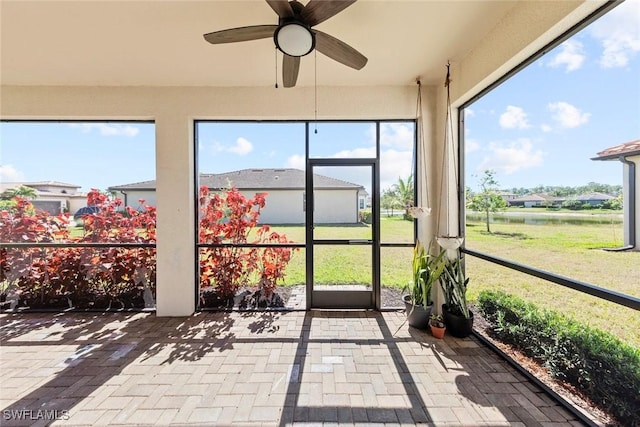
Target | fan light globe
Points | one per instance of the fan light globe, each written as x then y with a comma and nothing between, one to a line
294,39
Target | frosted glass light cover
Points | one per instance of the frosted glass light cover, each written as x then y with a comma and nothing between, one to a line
294,40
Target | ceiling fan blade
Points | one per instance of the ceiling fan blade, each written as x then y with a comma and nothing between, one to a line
339,50
241,34
281,7
317,11
290,68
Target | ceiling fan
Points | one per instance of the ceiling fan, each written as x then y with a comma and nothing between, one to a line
294,35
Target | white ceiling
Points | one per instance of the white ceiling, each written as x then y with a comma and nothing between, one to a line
160,43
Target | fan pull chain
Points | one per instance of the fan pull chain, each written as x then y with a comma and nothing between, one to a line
315,89
275,51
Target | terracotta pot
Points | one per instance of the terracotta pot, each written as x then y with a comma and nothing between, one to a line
437,332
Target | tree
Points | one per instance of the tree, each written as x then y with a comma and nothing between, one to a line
389,200
488,199
404,193
21,191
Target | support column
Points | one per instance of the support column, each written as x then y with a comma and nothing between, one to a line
176,290
631,201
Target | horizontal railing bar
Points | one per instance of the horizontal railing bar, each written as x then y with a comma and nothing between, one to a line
587,288
343,242
250,245
292,245
75,245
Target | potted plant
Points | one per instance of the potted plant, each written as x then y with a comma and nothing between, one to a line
456,313
427,268
437,326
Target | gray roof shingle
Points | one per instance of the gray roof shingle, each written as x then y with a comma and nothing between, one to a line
255,179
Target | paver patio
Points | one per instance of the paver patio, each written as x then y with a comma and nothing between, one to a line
256,368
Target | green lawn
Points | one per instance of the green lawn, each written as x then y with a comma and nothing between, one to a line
569,250
351,264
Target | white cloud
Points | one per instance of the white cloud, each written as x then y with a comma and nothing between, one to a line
619,34
511,157
242,147
8,173
296,162
107,129
394,164
398,135
546,128
514,118
468,112
571,56
566,115
471,145
356,153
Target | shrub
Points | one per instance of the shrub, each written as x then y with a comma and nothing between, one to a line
230,218
88,277
615,204
600,365
366,216
572,204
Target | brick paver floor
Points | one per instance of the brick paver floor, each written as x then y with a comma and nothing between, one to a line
255,368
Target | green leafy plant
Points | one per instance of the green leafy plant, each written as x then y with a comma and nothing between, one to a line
89,277
427,269
436,320
597,363
228,219
454,286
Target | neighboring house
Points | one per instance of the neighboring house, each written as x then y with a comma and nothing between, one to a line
530,201
629,155
52,196
337,201
594,199
507,197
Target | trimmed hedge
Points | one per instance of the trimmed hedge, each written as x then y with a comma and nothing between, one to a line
600,365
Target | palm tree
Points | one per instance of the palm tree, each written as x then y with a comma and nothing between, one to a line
21,191
405,193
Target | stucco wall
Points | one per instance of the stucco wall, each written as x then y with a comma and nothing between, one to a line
282,207
133,198
285,207
336,207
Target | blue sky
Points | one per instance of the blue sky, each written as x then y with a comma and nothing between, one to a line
540,127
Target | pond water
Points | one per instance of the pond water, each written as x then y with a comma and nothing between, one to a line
545,219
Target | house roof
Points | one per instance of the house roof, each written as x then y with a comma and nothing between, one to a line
631,148
58,190
255,179
530,198
594,196
35,184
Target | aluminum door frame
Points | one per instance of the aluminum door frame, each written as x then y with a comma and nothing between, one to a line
366,299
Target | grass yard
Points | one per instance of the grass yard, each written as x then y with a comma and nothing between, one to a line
569,250
352,264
